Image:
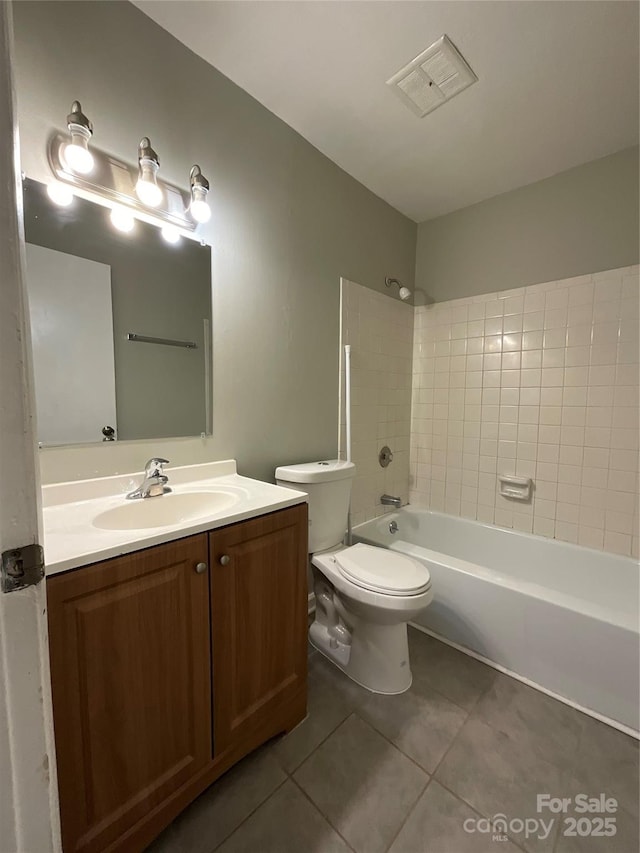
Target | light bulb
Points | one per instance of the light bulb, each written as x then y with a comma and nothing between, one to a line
122,219
76,154
147,188
405,293
199,207
60,194
200,211
78,159
148,192
171,234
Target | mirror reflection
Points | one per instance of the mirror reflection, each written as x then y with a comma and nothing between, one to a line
120,323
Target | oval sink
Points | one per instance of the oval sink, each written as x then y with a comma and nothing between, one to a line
164,510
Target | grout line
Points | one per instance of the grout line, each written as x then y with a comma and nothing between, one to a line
409,813
476,811
318,745
457,794
556,840
320,812
587,712
355,713
447,698
432,775
460,649
453,741
391,743
469,711
250,814
429,774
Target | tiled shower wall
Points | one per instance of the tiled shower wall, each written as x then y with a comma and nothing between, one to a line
542,382
380,331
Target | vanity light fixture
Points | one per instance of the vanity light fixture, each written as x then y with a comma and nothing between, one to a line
199,207
122,219
147,188
171,234
131,191
76,153
59,193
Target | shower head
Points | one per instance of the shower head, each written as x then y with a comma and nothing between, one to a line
403,291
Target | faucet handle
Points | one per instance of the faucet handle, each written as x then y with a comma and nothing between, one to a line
154,467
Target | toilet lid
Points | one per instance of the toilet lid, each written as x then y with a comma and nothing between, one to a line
381,570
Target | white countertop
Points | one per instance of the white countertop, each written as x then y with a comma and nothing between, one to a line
72,540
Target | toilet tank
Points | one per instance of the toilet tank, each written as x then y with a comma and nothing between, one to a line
328,485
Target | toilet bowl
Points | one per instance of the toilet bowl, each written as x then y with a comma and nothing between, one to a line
364,598
364,595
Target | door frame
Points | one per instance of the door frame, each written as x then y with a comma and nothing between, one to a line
29,804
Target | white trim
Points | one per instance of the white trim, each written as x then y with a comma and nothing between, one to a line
347,397
28,806
613,723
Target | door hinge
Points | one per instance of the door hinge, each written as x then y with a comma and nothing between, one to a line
22,567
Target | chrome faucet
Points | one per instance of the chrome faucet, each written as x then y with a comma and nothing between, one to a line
391,500
155,480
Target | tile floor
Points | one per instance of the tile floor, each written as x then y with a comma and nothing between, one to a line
368,773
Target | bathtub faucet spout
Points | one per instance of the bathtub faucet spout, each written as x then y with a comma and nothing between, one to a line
391,500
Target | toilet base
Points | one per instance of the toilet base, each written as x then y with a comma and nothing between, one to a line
377,658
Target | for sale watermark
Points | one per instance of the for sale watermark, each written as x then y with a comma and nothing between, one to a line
582,815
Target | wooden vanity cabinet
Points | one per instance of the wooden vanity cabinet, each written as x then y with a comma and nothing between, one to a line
131,684
259,623
168,665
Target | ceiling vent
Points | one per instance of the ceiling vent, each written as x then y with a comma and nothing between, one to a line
438,74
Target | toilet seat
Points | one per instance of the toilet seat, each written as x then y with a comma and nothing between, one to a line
383,571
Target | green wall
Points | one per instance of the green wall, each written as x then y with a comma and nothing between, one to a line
580,221
286,224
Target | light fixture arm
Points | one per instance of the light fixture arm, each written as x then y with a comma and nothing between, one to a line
77,121
146,152
198,179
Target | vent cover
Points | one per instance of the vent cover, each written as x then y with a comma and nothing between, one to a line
432,78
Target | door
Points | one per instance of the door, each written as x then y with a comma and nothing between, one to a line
72,337
131,676
258,621
28,805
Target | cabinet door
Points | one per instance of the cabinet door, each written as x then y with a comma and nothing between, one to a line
131,681
259,623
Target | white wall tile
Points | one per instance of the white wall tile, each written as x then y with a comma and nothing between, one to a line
618,543
574,395
380,330
553,370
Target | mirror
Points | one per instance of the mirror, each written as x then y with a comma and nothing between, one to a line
120,325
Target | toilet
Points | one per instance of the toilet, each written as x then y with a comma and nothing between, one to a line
365,595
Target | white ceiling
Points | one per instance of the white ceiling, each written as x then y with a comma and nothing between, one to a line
558,86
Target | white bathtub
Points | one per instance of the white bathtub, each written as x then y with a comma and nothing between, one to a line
558,615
